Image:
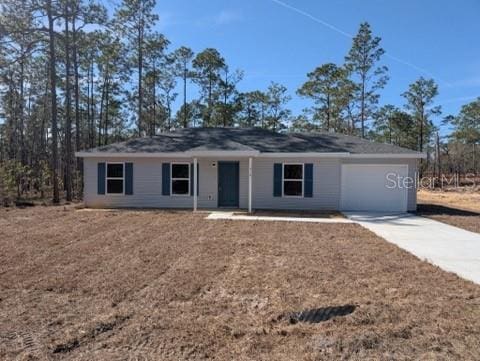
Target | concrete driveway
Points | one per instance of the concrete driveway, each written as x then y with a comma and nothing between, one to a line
452,249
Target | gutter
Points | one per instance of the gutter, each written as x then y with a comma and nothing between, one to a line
389,156
189,154
254,154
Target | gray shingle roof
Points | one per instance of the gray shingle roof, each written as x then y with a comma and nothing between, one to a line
250,139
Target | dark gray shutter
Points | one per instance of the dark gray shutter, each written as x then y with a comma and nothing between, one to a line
101,178
277,180
128,178
308,192
166,179
191,180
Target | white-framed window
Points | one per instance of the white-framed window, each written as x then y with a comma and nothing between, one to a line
180,179
115,178
292,182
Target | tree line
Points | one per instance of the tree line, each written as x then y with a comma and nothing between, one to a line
73,76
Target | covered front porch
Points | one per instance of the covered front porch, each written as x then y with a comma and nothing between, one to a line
222,182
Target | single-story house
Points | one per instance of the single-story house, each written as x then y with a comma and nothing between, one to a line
251,168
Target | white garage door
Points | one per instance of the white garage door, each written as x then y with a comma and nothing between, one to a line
370,188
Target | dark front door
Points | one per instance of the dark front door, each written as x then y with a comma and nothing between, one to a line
228,173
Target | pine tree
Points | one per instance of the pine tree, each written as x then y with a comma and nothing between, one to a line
328,86
467,129
207,66
276,112
183,57
420,98
362,61
134,20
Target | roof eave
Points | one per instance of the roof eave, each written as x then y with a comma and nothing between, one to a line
223,153
389,155
346,155
304,154
235,153
189,154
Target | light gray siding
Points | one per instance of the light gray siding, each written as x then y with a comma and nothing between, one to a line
326,185
147,184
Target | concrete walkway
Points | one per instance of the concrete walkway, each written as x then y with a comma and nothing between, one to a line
246,217
451,248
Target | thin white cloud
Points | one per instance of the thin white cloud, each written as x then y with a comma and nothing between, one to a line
314,18
226,17
166,19
350,36
470,82
459,99
222,18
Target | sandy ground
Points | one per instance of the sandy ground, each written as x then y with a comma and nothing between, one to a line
460,209
153,285
456,199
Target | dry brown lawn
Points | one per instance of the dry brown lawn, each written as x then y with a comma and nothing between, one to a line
458,208
466,200
157,285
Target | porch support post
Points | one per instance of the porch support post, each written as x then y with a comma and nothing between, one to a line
195,175
250,185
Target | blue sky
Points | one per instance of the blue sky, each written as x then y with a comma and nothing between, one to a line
282,40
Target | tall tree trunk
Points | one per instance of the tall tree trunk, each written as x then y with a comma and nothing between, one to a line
107,103
209,112
328,112
89,122
169,111
422,123
420,147
185,74
225,99
438,158
68,111
100,117
53,96
362,107
42,131
140,86
21,111
78,130
92,107
11,120
153,124
31,157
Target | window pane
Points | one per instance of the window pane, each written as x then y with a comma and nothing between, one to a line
115,171
114,186
292,188
292,171
180,170
180,187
